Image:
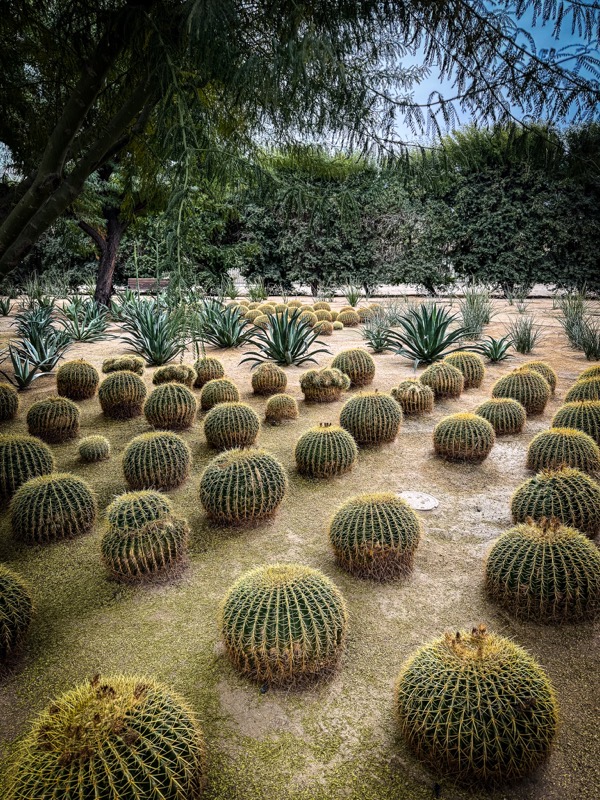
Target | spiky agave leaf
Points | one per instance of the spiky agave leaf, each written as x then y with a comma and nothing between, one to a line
287,340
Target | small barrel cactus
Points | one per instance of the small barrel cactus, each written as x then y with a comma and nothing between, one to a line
16,611
268,378
545,572
307,316
470,364
230,425
22,458
324,327
262,321
9,402
443,379
93,449
356,363
414,397
371,418
52,507
504,414
219,390
364,313
171,406
77,380
281,407
567,495
294,304
323,315
375,535
252,314
157,548
588,389
111,738
325,451
124,364
545,371
177,373
321,305
590,372
208,369
323,385
54,419
560,447
349,319
159,460
122,395
463,437
527,387
284,624
475,706
583,416
242,486
135,509
337,325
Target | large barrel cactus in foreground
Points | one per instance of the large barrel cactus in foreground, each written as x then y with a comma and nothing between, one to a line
230,425
155,548
22,458
171,406
566,447
77,380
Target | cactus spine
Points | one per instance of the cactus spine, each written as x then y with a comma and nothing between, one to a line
560,447
505,415
122,395
176,373
323,385
16,612
54,420
325,451
268,379
219,390
463,437
208,369
230,425
471,365
9,402
93,449
281,407
414,397
124,364
171,406
356,363
77,380
22,458
443,379
159,460
371,418
583,416
527,387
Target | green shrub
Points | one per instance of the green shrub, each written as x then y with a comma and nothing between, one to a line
124,364
588,389
323,385
470,364
284,624
560,447
177,373
527,387
371,418
463,437
443,379
231,425
77,380
325,451
475,706
219,390
171,406
268,379
157,548
547,573
208,369
22,458
9,402
281,407
122,395
414,397
583,416
375,535
504,414
159,460
135,509
356,363
93,449
545,371
54,419
16,612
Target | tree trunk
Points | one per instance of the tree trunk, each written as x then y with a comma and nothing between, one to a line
108,245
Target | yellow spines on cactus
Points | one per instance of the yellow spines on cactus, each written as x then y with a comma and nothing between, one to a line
325,451
324,327
231,425
545,371
526,386
323,385
590,372
337,325
171,406
77,380
159,460
463,437
9,402
371,418
208,369
268,378
357,364
309,317
94,448
323,314
262,321
588,389
583,416
350,319
321,305
504,414
365,313
559,447
443,379
16,612
155,549
281,407
135,509
219,390
252,314
122,395
22,458
124,364
284,624
54,419
177,373
414,397
470,364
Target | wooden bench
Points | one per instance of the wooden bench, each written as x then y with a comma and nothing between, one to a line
147,284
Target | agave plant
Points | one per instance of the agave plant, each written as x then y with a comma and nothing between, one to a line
84,321
425,335
221,326
495,350
288,340
154,333
5,306
377,335
44,350
24,370
352,295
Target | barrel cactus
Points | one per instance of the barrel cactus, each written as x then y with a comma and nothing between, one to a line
324,385
252,314
470,364
590,372
443,379
321,305
583,416
22,458
371,418
77,380
262,321
323,315
124,364
156,548
171,406
9,402
94,448
208,369
476,707
325,451
337,325
281,407
219,390
16,611
414,397
268,378
52,507
122,395
231,425
284,624
365,313
349,319
545,371
375,535
111,738
588,389
242,486
463,437
324,327
505,415
135,509
567,447
356,363
159,460
294,304
545,572
565,494
54,419
527,387
177,373
307,316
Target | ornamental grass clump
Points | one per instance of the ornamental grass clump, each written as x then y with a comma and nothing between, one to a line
268,379
94,448
230,425
54,420
560,447
111,738
357,364
122,395
177,373
470,364
218,390
325,451
463,437
158,460
545,572
124,364
476,707
588,389
22,458
171,406
208,369
545,371
527,387
284,624
414,397
16,612
323,385
444,380
505,415
280,408
77,380
372,418
375,536
52,507
583,416
9,402
242,486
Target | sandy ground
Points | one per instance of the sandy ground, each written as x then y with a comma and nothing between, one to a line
337,739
